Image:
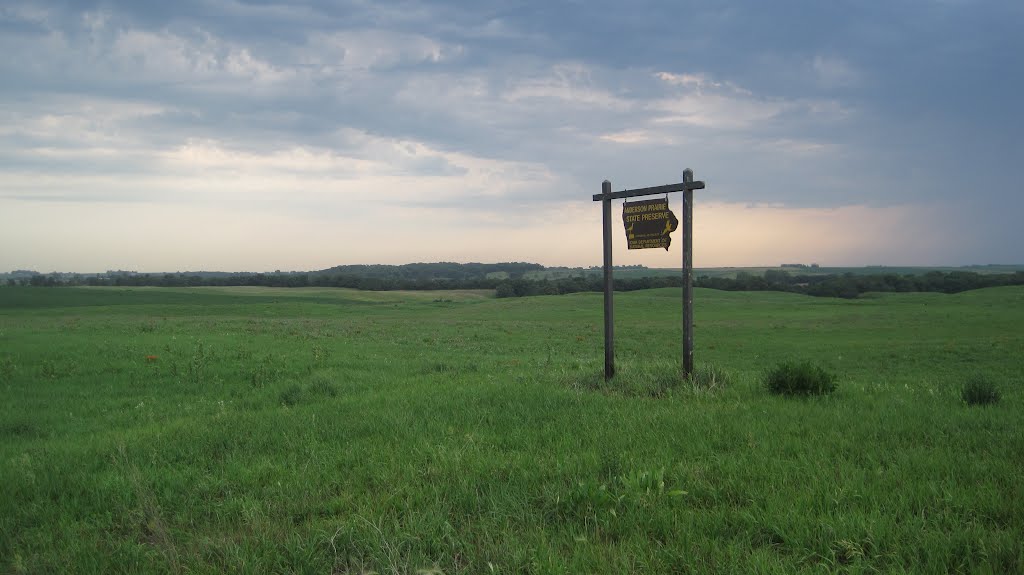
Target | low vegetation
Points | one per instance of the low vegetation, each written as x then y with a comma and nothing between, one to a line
316,430
709,378
980,390
799,378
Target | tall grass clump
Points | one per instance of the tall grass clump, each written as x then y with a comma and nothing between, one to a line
979,390
632,379
291,395
799,379
708,378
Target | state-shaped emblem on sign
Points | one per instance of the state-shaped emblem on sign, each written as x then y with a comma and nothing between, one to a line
648,224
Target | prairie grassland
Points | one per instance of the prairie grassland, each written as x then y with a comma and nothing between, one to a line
250,430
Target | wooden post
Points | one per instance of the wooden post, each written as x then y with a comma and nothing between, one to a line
688,274
609,322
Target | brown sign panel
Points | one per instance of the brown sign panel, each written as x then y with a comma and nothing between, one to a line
648,224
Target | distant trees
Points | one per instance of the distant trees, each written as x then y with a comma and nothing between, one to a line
850,285
44,280
514,283
420,276
846,285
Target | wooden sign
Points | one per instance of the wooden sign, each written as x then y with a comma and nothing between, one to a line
663,222
648,224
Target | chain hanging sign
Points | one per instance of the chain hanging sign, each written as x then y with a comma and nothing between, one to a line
648,224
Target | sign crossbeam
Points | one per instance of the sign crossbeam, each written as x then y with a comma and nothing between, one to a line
666,189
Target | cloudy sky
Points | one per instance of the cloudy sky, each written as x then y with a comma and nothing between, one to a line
262,135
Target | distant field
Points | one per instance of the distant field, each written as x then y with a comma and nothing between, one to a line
258,430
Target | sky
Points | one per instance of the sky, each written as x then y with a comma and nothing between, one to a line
242,135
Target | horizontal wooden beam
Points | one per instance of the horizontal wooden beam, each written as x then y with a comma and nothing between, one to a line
666,189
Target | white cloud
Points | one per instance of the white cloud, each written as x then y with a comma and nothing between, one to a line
699,101
24,12
628,137
79,120
571,83
200,58
717,111
364,50
802,147
688,80
363,167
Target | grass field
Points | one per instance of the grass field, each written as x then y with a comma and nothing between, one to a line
256,430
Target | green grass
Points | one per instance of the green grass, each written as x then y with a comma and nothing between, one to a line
319,431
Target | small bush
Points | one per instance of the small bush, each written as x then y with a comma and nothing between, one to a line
792,378
979,391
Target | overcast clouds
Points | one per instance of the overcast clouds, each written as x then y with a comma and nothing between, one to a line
232,135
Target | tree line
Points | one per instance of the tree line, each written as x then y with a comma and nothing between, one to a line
379,277
845,285
851,285
514,284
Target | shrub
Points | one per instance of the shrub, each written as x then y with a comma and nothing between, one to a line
979,391
804,378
